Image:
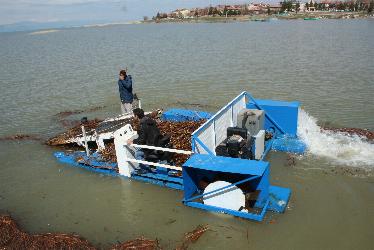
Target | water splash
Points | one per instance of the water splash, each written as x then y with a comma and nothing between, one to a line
337,147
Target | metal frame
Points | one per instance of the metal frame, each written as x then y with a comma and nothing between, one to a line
256,172
202,127
251,216
266,114
197,132
222,188
162,177
195,139
178,151
190,201
212,120
268,146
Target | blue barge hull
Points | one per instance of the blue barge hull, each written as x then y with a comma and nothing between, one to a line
281,120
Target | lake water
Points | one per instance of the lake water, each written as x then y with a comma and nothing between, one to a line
327,65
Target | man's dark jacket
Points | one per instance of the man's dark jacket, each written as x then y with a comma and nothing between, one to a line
125,90
149,134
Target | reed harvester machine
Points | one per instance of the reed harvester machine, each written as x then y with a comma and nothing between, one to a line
226,171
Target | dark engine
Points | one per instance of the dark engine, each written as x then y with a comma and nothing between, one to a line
236,145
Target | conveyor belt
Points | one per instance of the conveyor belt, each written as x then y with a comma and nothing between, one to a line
111,126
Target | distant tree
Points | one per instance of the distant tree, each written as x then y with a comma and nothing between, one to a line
215,11
286,5
297,7
306,6
289,6
210,11
283,6
366,6
351,6
158,16
341,6
145,18
356,6
371,7
196,13
269,12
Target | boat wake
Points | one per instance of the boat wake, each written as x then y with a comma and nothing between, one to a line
339,148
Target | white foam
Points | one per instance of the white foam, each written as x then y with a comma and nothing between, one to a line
339,148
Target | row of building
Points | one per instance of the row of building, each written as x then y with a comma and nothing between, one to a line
261,8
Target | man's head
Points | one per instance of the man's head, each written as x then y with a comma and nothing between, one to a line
138,113
122,74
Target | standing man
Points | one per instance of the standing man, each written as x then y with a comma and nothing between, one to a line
125,92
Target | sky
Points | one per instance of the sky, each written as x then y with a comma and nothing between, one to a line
14,11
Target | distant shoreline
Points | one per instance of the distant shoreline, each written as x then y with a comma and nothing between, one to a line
263,17
40,32
208,19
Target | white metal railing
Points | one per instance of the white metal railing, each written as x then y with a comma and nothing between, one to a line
172,150
213,131
178,151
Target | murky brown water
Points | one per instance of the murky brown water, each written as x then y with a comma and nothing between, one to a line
326,65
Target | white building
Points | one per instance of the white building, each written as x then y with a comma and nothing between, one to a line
181,13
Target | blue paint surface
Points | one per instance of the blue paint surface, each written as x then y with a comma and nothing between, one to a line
246,215
277,202
284,113
268,147
94,164
182,115
221,189
226,164
206,168
200,166
263,186
279,197
195,140
163,183
89,163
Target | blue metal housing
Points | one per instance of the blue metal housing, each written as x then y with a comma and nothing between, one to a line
253,174
94,163
280,118
285,114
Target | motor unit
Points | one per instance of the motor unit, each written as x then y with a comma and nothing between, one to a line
236,144
252,120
